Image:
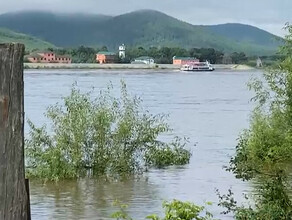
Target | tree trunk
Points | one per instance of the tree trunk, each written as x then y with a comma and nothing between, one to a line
13,195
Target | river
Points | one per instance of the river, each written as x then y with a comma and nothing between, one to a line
209,108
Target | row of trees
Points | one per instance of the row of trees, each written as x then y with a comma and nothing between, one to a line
163,55
81,54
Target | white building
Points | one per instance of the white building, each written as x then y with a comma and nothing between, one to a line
122,51
143,60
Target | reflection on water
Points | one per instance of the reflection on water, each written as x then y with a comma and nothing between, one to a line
92,199
210,108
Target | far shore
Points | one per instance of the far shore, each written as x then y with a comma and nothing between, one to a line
125,66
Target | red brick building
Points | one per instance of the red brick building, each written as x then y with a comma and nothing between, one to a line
47,57
184,60
105,57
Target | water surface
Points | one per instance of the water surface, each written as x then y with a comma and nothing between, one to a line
209,108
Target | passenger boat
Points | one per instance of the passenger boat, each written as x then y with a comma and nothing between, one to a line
200,66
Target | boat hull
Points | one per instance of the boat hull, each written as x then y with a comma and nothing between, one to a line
199,67
198,70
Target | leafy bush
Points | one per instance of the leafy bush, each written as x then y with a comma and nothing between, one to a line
169,154
268,203
122,212
174,210
264,151
101,136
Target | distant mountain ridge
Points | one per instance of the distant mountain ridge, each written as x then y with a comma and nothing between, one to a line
140,28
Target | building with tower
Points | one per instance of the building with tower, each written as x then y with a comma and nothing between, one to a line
259,63
122,51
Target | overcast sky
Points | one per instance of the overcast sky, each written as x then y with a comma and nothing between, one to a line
270,15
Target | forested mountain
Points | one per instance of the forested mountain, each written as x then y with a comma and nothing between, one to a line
144,28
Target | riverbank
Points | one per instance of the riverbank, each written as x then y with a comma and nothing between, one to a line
124,66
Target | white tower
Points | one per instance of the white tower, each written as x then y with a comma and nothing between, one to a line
259,62
122,51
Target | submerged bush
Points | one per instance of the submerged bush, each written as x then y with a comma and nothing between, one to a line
163,155
101,136
174,210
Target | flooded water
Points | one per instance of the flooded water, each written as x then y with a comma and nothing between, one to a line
209,108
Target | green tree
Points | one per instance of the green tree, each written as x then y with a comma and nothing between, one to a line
209,54
264,151
103,48
238,58
83,54
154,52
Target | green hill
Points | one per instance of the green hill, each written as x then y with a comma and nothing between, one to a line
63,30
8,36
151,28
141,28
247,35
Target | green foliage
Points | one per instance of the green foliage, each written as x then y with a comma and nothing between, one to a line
8,36
238,58
163,155
264,151
247,34
165,55
271,203
102,136
174,210
122,213
82,54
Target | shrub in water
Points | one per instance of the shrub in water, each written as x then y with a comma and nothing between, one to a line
174,210
163,155
101,136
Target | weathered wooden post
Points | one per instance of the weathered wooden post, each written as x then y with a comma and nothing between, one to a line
13,194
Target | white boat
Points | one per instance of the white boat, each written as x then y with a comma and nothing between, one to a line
200,66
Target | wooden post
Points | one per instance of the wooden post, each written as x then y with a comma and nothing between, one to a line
13,195
28,199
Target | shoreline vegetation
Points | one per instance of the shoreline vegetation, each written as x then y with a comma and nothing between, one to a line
240,67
